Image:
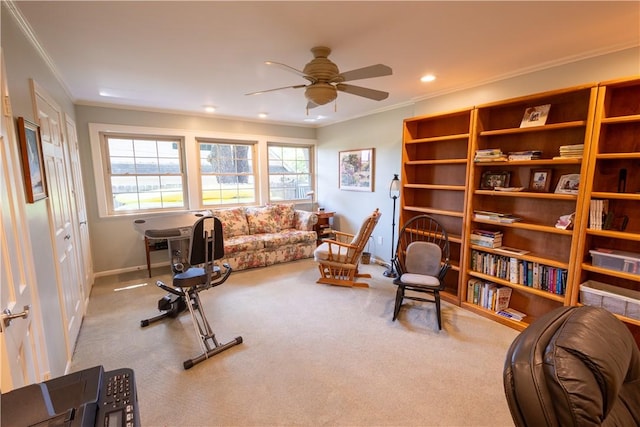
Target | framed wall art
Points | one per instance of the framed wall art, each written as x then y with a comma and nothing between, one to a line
540,180
356,169
492,179
32,160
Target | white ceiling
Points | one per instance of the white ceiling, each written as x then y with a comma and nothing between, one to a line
180,56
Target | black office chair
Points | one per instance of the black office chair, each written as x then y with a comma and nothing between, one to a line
422,261
195,273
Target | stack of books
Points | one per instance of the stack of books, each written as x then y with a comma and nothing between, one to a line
489,155
571,151
486,238
524,155
495,216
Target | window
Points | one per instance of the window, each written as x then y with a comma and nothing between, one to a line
140,170
143,173
290,171
227,173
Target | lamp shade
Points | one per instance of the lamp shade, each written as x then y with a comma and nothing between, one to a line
394,187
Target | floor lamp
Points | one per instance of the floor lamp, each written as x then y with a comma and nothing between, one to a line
394,193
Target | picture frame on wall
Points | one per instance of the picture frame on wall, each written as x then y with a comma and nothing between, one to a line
356,168
568,184
492,179
540,180
32,160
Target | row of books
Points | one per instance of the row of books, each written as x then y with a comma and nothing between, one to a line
521,272
486,238
492,297
598,213
495,216
488,295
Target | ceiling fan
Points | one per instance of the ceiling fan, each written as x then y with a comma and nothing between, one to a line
325,80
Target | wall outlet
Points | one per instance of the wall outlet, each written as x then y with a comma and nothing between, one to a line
380,240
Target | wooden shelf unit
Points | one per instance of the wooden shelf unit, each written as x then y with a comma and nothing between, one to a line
497,125
616,146
440,178
435,159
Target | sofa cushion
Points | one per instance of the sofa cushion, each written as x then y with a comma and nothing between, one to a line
234,222
262,220
285,215
287,237
243,244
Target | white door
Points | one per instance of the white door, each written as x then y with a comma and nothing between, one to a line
23,356
60,215
84,246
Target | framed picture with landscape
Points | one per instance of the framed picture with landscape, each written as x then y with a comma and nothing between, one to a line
32,162
356,169
540,180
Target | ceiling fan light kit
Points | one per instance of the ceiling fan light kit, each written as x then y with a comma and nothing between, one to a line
325,79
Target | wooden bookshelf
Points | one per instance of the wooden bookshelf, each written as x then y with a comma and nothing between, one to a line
435,158
615,148
497,125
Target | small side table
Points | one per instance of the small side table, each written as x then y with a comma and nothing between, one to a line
323,226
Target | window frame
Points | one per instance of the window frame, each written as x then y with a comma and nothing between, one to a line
311,173
104,141
191,163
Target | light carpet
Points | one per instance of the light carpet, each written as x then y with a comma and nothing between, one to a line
313,355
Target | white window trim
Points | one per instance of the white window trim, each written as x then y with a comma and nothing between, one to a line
192,160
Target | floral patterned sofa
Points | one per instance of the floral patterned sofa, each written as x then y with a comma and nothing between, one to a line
266,235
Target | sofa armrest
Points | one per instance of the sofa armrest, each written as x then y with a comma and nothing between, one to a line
305,220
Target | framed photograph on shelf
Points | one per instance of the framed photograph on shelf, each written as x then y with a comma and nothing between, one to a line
32,161
356,169
492,179
540,180
568,184
535,116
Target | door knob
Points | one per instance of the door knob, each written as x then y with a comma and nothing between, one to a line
7,316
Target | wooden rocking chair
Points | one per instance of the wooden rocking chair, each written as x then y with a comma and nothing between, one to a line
338,259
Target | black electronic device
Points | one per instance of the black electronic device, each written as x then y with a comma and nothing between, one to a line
91,397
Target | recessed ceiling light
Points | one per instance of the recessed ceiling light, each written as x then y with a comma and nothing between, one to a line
263,115
210,109
427,78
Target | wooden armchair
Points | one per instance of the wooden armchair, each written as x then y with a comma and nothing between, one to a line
338,259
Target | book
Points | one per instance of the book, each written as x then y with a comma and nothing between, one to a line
510,250
524,155
512,314
503,297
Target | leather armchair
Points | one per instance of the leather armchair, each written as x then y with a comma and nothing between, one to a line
575,366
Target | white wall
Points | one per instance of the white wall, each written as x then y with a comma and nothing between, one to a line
384,131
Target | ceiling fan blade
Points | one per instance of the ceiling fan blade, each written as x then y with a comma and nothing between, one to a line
377,70
278,88
376,95
293,70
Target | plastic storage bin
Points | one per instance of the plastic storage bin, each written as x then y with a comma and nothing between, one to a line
625,302
628,262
